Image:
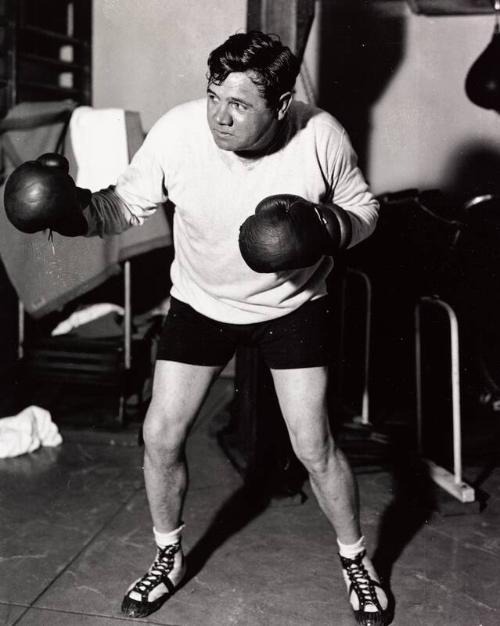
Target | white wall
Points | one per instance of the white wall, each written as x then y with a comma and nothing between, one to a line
149,55
424,121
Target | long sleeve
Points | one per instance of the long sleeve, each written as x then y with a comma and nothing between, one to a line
350,191
109,214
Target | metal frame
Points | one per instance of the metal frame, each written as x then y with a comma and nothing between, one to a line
453,483
364,417
127,334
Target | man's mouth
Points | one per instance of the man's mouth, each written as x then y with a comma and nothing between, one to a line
222,133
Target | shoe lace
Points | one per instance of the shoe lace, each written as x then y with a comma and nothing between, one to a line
162,566
361,581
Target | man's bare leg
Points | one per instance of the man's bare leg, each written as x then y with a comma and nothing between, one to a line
302,396
178,393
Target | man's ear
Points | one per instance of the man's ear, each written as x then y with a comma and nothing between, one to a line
283,104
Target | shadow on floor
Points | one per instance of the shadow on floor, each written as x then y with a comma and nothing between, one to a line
239,510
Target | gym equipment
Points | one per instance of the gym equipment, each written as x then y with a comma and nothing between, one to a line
482,84
349,281
453,483
120,364
468,297
49,283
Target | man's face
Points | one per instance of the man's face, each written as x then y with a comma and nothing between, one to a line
238,115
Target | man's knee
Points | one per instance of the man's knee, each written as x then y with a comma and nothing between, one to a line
316,456
163,432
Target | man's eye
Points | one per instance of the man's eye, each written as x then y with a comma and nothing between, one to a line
239,106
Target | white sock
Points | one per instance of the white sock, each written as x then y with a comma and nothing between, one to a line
166,539
351,550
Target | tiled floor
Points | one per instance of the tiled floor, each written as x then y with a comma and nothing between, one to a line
75,531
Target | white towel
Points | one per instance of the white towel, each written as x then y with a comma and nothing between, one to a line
84,315
99,141
28,430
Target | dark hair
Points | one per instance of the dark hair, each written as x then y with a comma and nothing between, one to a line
272,65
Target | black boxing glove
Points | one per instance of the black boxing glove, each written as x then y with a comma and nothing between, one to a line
288,232
41,194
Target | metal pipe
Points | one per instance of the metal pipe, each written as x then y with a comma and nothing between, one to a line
365,399
418,379
455,381
127,321
20,329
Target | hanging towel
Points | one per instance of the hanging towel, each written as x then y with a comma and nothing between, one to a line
99,139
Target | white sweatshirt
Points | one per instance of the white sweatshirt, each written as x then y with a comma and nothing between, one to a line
214,191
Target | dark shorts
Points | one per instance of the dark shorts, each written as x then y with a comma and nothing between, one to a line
302,338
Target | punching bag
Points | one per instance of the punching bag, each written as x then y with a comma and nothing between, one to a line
482,84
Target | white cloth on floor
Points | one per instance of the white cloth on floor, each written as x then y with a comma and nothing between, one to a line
99,141
28,430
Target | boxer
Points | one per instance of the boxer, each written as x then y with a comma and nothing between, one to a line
267,191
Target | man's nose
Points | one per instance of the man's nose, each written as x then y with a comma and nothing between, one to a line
222,115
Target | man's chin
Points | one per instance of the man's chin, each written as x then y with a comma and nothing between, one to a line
226,147
224,143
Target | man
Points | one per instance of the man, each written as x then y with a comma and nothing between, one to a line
242,274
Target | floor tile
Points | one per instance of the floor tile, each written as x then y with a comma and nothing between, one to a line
42,617
251,563
9,613
445,567
53,502
259,574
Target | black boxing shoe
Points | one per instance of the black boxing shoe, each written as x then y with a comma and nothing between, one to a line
159,583
366,595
